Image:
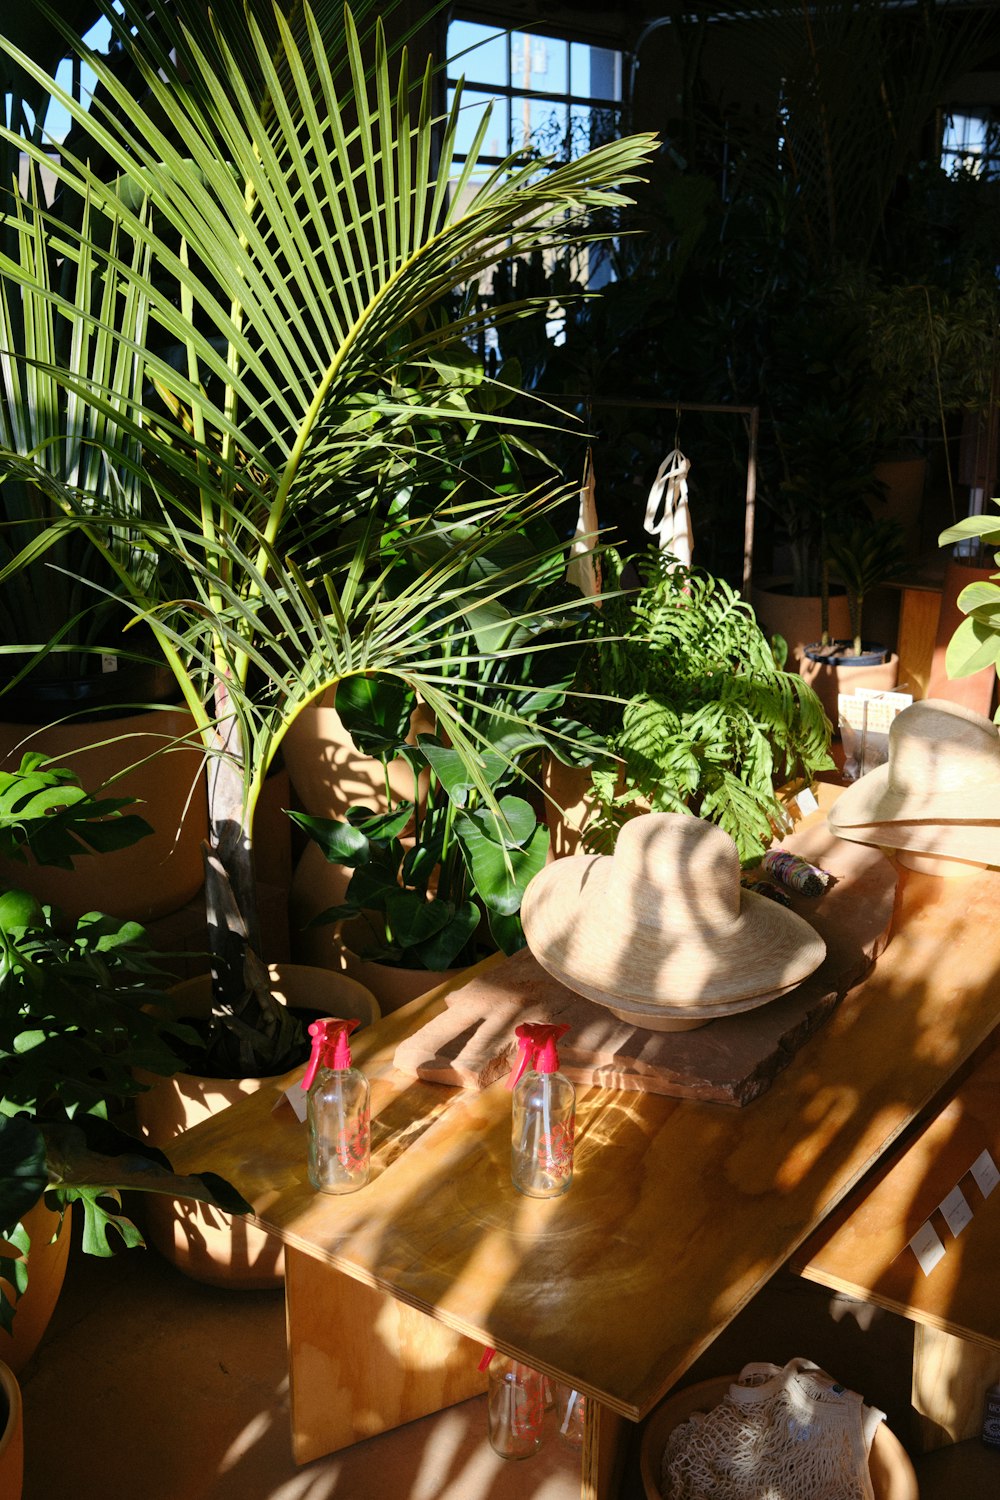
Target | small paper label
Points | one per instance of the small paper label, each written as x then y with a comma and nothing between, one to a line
298,1099
109,663
984,1170
956,1210
807,802
927,1247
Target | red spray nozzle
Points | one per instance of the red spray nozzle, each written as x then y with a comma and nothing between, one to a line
330,1046
537,1043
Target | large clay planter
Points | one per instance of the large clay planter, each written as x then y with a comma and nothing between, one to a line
11,1436
161,872
207,1245
47,1258
391,986
317,884
569,805
797,617
329,775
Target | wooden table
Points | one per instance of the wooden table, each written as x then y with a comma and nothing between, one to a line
863,1249
679,1212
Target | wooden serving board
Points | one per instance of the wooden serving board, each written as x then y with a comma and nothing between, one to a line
731,1060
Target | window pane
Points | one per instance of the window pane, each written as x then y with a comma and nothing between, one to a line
540,124
487,63
538,62
596,72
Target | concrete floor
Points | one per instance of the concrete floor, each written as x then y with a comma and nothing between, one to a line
149,1386
162,1389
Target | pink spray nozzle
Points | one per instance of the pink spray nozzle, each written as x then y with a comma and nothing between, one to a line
537,1043
330,1047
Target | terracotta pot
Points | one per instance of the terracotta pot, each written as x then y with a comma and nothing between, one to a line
207,1245
316,885
798,618
569,805
979,690
830,678
46,1272
163,871
329,775
391,986
11,1436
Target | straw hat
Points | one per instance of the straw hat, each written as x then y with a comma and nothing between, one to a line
665,922
939,792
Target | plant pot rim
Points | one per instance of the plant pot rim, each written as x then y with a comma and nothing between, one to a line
873,654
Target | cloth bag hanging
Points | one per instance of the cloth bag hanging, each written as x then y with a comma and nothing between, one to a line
584,570
667,516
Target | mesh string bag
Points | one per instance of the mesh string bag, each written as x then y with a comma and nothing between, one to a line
779,1434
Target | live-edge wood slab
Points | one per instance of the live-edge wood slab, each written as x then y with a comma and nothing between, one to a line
679,1211
732,1060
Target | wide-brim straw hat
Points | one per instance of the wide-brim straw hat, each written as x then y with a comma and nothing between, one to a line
664,921
943,768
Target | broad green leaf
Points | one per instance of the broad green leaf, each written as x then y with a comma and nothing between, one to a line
500,875
375,710
341,842
440,951
974,645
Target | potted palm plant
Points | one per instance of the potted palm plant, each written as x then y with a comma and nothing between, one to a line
870,554
287,214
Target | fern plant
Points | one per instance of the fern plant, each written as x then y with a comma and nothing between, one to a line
694,707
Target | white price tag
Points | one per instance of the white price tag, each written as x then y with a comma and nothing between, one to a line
984,1170
298,1099
807,802
956,1210
927,1247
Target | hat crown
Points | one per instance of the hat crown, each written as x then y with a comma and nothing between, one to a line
941,747
678,873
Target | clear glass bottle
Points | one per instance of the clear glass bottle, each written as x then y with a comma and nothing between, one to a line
543,1117
570,1414
338,1111
515,1407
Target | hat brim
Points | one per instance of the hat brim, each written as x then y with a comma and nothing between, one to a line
871,799
598,943
977,842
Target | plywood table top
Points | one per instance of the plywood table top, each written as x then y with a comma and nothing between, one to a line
864,1247
680,1210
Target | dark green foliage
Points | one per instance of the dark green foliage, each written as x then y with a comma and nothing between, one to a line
709,722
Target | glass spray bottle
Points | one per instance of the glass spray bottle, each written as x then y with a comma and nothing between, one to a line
543,1115
338,1111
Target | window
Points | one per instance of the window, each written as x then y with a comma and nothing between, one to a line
549,94
971,141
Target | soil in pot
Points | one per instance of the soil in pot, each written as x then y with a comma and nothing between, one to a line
207,1245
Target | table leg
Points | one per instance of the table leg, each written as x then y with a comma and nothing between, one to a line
950,1378
603,1451
361,1362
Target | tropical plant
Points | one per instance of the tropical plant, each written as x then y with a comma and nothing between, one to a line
864,557
976,641
61,613
286,219
74,1024
708,722
422,869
